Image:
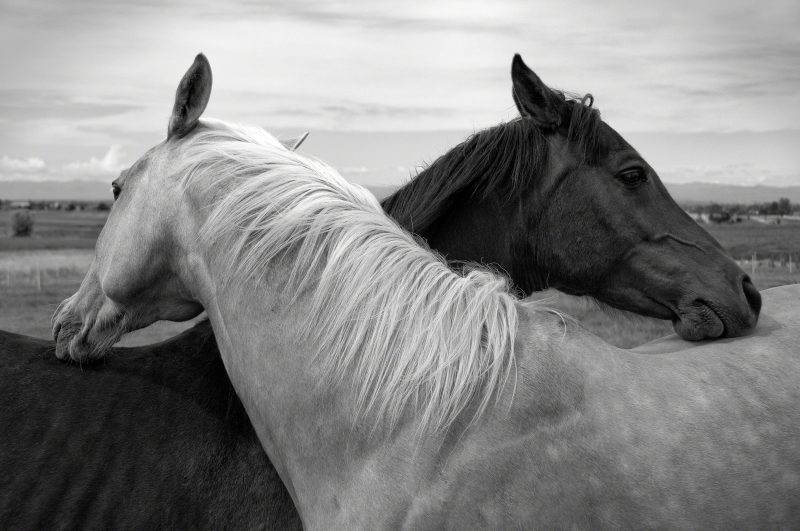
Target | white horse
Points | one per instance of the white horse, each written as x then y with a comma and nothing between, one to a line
390,392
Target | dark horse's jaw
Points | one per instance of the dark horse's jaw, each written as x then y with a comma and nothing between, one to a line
699,309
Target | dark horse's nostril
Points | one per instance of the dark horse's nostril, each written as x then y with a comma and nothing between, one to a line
752,294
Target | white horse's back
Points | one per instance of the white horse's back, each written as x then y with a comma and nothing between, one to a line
676,434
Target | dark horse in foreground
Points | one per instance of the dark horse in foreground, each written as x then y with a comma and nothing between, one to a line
156,437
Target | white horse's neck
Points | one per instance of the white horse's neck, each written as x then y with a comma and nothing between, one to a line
307,429
331,462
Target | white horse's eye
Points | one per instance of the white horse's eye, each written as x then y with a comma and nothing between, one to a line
115,189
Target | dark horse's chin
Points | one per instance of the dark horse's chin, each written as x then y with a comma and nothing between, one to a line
720,317
698,322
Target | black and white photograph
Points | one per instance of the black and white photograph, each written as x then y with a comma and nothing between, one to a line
283,265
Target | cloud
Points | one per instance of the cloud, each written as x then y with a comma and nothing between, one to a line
29,165
97,168
36,169
463,16
72,87
33,104
14,169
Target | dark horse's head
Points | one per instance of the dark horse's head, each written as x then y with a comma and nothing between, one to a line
563,201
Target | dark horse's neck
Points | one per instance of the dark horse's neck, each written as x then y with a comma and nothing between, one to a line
478,202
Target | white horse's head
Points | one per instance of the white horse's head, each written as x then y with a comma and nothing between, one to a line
141,261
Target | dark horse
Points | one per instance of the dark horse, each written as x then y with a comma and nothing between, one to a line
156,437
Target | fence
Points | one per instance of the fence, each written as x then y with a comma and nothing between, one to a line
786,262
39,268
39,278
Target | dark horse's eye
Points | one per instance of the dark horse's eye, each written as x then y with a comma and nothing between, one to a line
632,178
115,189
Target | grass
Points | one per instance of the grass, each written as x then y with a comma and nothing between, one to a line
37,273
54,229
743,239
52,263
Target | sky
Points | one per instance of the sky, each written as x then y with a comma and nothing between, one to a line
705,90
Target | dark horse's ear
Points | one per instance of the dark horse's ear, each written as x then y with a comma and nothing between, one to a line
191,98
533,98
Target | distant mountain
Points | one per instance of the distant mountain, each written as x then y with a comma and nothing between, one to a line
92,190
381,191
56,190
694,193
683,193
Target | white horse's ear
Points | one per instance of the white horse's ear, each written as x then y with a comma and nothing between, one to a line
533,98
293,143
191,98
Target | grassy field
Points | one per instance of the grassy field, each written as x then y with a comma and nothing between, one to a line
37,273
743,239
54,229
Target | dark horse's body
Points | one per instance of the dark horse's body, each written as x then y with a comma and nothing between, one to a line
156,437
151,438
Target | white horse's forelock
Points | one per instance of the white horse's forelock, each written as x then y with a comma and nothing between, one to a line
387,315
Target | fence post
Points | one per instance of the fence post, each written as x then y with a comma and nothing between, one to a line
791,268
38,277
753,265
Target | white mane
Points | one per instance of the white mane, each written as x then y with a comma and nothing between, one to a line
389,317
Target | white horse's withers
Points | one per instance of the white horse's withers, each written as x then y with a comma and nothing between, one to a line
391,392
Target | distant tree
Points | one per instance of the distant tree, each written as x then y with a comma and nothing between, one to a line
784,206
772,209
22,223
781,207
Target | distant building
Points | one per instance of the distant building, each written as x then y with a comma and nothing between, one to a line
720,217
19,204
699,217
